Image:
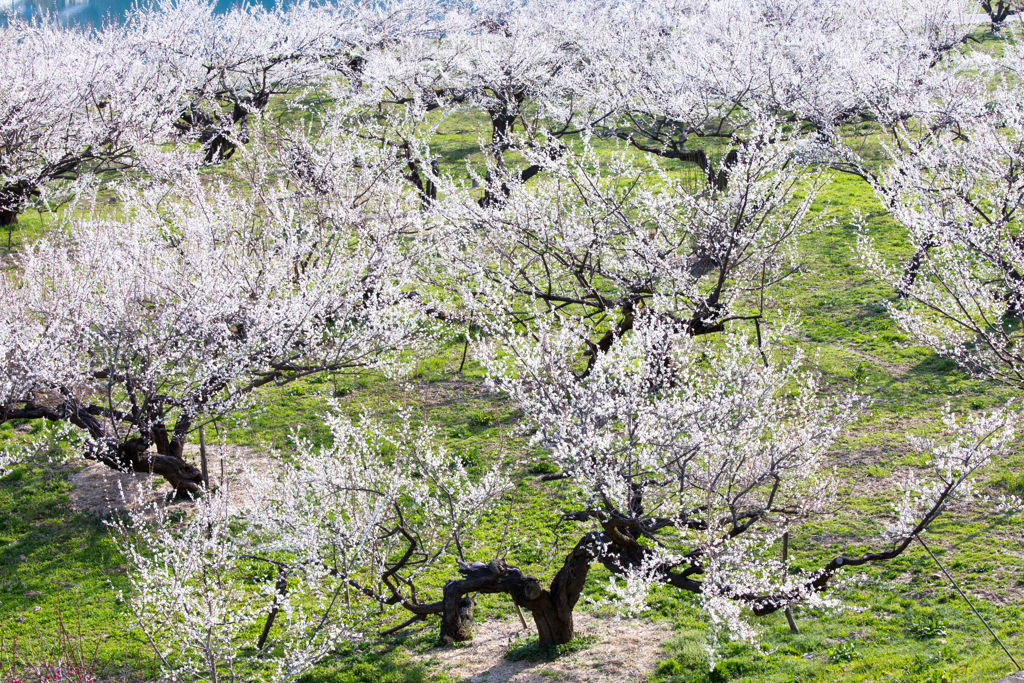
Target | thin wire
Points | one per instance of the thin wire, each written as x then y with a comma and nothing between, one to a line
962,595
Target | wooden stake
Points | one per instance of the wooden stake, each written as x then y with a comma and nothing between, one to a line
520,613
785,558
202,459
465,349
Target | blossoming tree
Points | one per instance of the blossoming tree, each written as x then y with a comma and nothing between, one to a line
597,281
603,239
959,195
691,458
73,104
681,460
289,568
201,293
709,68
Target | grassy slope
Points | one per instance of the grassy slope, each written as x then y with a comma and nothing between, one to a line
904,622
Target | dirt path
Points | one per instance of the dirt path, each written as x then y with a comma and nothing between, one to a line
626,650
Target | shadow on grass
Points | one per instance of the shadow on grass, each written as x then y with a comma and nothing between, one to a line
384,661
60,572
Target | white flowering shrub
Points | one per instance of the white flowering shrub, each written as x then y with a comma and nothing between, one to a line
691,457
959,194
259,583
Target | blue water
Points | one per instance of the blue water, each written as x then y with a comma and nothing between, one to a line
86,12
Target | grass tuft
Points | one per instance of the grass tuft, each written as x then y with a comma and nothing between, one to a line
529,649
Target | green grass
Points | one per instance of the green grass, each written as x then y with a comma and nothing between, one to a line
902,621
529,649
387,663
58,566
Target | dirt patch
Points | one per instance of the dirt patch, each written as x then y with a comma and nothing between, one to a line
451,392
625,650
100,490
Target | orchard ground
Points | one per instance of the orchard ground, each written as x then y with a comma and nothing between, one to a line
903,621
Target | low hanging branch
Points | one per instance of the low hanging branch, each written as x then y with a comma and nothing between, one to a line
960,201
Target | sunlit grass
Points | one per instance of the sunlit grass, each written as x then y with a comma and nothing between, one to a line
903,622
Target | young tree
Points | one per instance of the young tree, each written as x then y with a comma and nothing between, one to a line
292,567
200,590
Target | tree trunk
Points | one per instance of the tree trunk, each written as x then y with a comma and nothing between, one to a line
185,478
13,198
130,455
913,267
553,619
219,148
997,14
457,620
552,616
721,179
551,609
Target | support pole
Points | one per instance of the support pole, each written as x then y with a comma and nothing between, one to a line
785,559
202,460
520,613
465,350
966,599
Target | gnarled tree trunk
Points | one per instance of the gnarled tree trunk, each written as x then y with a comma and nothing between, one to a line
13,198
551,609
126,455
553,618
184,477
169,461
998,12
